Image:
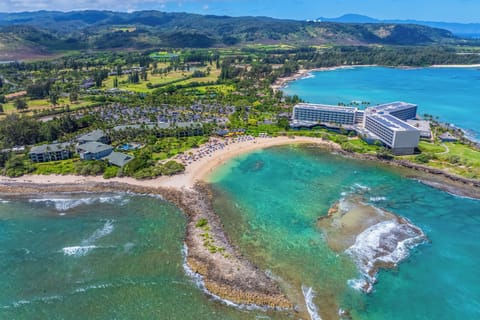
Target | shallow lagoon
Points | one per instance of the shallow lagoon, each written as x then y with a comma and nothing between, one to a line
274,197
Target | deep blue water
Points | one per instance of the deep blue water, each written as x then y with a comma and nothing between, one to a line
452,94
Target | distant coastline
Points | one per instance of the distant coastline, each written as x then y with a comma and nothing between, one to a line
282,82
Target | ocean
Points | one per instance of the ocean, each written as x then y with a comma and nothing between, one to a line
451,94
270,202
89,256
105,256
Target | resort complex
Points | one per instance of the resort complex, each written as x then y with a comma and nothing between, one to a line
385,123
90,146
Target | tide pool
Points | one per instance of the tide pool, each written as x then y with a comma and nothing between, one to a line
452,94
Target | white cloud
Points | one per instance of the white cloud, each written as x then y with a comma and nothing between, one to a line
67,5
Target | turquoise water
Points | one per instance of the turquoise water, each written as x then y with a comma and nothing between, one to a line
120,256
98,257
452,94
270,201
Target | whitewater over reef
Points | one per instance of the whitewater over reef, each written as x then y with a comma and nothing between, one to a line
312,309
373,237
87,244
67,203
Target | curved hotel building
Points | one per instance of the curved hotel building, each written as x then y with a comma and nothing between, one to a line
386,122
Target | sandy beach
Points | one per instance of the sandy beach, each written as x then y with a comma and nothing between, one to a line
455,66
303,73
195,172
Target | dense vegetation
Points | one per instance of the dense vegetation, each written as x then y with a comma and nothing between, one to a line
172,100
39,33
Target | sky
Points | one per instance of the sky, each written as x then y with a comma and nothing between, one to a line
431,10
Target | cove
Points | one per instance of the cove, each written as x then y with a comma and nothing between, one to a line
270,201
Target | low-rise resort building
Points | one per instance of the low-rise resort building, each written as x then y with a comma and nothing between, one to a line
89,147
94,136
50,152
93,150
385,123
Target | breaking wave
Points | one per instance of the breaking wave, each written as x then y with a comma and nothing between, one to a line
77,251
384,244
65,204
100,233
312,309
377,199
87,245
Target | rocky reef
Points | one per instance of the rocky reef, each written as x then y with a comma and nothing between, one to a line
373,237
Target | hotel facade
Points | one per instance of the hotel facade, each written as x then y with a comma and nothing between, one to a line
386,122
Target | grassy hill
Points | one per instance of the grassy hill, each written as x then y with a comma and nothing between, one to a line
44,32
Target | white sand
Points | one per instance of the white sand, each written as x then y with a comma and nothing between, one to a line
456,66
196,171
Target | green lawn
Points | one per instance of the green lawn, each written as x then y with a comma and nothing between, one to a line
430,147
159,79
461,159
363,147
43,104
466,153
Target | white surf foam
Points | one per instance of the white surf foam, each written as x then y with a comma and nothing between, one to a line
377,199
87,245
65,204
362,187
77,251
387,242
99,233
312,309
93,287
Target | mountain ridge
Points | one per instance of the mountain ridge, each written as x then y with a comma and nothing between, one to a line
457,28
53,31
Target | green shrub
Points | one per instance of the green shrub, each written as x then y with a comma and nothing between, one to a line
202,222
172,167
110,172
90,168
423,158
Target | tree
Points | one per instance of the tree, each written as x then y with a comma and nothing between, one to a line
53,97
1,108
2,99
384,153
20,104
73,96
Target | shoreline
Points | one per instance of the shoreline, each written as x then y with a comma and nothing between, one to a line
224,271
282,82
194,172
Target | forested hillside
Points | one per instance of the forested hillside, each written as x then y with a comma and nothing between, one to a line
40,33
